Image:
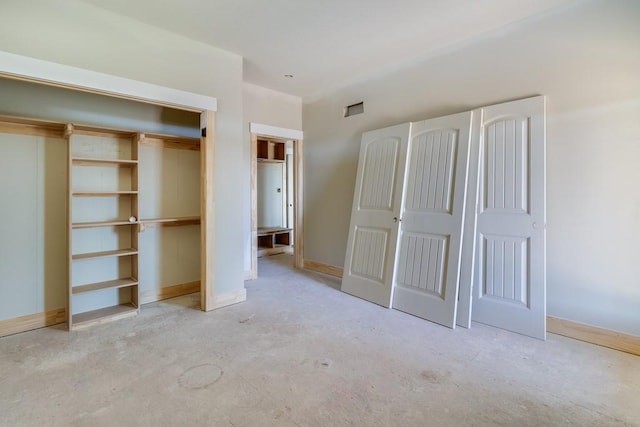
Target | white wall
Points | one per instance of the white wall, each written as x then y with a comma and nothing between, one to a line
74,33
585,58
267,107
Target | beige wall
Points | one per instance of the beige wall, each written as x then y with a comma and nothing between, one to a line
74,33
33,189
585,59
266,107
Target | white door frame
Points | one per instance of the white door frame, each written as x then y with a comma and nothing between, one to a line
33,70
296,136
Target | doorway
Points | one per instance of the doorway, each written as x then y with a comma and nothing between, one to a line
276,194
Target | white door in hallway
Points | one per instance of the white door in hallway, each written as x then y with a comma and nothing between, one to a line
429,258
373,233
509,278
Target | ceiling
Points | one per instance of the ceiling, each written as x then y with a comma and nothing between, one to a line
326,44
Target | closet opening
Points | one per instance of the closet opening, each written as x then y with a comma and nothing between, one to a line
115,159
276,198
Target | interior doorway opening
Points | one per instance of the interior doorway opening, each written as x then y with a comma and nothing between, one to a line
276,195
274,182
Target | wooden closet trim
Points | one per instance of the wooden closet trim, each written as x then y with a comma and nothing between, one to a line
24,126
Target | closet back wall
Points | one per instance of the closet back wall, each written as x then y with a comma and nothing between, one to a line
33,235
26,99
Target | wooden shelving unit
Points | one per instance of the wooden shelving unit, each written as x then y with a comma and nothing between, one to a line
104,166
272,241
104,245
88,153
271,151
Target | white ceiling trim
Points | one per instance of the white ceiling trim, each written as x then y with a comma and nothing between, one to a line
23,67
275,131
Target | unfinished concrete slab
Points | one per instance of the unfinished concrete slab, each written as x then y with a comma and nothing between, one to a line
299,352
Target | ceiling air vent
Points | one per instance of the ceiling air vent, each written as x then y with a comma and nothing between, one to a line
353,109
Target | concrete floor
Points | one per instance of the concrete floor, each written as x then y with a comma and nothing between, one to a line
299,352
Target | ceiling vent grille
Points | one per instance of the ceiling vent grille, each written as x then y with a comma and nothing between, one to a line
353,109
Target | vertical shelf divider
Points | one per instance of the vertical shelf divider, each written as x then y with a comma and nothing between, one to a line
68,135
125,289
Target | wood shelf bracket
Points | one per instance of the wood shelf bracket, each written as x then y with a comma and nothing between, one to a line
68,131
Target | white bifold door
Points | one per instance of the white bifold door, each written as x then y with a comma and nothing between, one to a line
421,275
455,203
373,233
509,278
428,265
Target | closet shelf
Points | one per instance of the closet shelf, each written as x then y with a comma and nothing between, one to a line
105,254
101,224
109,284
261,160
85,161
103,315
103,193
170,222
273,240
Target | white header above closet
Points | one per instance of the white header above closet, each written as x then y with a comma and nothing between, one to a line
23,67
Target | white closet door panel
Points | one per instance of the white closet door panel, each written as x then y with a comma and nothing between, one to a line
373,233
509,279
428,266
